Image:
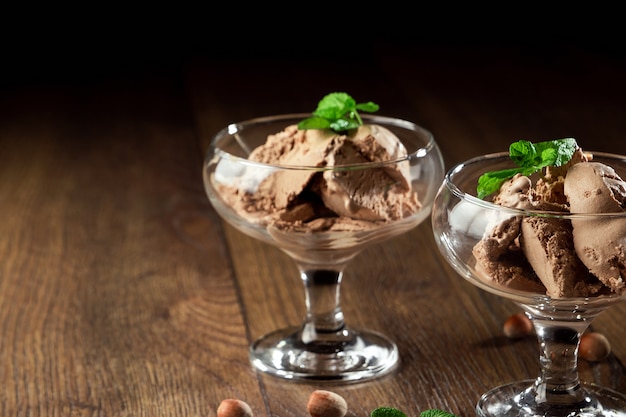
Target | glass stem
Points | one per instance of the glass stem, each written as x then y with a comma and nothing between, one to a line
324,327
558,384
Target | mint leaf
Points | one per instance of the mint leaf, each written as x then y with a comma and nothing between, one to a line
490,182
314,123
368,107
342,125
334,106
436,413
394,412
542,154
387,412
338,111
530,158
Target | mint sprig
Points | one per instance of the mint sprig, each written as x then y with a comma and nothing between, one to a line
530,158
387,412
394,412
339,112
436,413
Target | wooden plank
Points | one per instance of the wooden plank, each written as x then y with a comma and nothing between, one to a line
117,295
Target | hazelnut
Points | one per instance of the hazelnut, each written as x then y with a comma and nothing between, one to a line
233,407
517,326
326,404
594,347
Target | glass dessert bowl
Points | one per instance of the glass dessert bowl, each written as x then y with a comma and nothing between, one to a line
322,208
559,267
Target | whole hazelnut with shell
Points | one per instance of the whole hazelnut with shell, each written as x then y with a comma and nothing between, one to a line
232,407
594,347
324,403
517,326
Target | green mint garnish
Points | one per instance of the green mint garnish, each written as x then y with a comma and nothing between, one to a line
436,413
530,158
339,112
387,412
393,412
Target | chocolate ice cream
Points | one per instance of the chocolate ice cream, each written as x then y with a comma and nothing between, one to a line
600,244
323,199
578,258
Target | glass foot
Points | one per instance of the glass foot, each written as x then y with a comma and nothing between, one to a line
365,355
513,400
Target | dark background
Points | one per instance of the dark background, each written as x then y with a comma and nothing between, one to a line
82,45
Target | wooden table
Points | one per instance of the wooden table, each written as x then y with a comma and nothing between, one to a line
122,293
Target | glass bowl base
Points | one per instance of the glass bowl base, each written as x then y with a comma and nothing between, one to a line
508,401
282,354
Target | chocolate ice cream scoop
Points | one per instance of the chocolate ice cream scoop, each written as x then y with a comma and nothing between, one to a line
600,243
297,186
515,193
376,194
547,244
592,187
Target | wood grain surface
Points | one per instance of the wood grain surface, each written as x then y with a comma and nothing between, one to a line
122,293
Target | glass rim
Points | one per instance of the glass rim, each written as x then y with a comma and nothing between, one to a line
474,200
232,129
